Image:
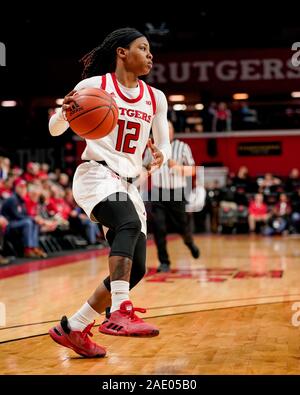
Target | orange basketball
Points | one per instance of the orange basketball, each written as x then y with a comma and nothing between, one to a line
93,114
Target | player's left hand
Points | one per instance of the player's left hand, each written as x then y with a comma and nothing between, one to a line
157,156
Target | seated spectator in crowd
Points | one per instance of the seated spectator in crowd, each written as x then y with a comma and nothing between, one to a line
268,183
280,217
80,221
222,118
44,170
14,210
282,212
58,208
64,180
258,212
4,168
293,181
16,172
242,179
6,188
32,171
33,206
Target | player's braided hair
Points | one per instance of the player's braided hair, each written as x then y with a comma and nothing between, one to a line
102,59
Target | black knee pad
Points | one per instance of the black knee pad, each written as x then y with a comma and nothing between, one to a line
138,268
118,213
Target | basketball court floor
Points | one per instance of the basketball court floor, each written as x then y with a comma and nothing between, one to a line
234,311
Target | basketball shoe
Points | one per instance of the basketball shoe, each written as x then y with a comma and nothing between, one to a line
193,249
124,322
76,340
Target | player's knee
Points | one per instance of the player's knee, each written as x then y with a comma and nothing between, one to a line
132,226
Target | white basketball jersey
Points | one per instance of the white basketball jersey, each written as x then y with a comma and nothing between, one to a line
123,148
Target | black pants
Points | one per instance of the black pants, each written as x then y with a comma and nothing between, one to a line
174,212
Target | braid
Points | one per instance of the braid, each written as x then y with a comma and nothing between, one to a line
102,59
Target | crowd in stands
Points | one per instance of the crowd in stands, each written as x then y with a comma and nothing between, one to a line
265,204
34,202
239,115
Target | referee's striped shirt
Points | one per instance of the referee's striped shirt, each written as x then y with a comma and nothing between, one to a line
166,178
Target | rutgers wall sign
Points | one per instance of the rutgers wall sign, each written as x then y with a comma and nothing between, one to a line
251,70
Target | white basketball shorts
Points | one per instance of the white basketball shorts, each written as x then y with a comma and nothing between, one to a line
93,182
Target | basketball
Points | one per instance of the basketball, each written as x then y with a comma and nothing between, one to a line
93,114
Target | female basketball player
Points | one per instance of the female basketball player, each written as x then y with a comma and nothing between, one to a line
102,184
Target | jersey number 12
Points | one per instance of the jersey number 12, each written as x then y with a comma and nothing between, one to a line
123,144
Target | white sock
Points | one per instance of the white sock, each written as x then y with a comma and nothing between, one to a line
119,293
82,318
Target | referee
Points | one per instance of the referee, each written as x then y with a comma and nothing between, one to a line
167,197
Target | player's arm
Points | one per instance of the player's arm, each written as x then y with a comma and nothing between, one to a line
161,149
58,123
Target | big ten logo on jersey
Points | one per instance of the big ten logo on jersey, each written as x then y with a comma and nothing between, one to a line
296,315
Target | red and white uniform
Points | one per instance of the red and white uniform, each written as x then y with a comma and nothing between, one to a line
140,109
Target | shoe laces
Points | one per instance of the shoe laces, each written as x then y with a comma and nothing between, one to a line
132,314
87,331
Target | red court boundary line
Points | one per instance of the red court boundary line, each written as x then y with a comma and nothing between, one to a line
33,266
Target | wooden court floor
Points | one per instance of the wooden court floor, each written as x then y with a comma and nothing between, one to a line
230,312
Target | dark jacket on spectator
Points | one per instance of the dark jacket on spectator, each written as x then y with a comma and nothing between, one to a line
14,208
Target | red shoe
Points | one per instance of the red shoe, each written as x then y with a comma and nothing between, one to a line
76,340
124,322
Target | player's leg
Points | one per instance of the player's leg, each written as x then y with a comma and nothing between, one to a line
138,269
121,216
101,298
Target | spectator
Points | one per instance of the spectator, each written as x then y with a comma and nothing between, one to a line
258,212
281,214
248,117
14,210
44,170
6,188
242,179
58,208
268,183
222,118
17,172
33,206
293,181
64,180
32,171
79,221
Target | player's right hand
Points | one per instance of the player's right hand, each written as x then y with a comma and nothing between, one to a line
68,100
